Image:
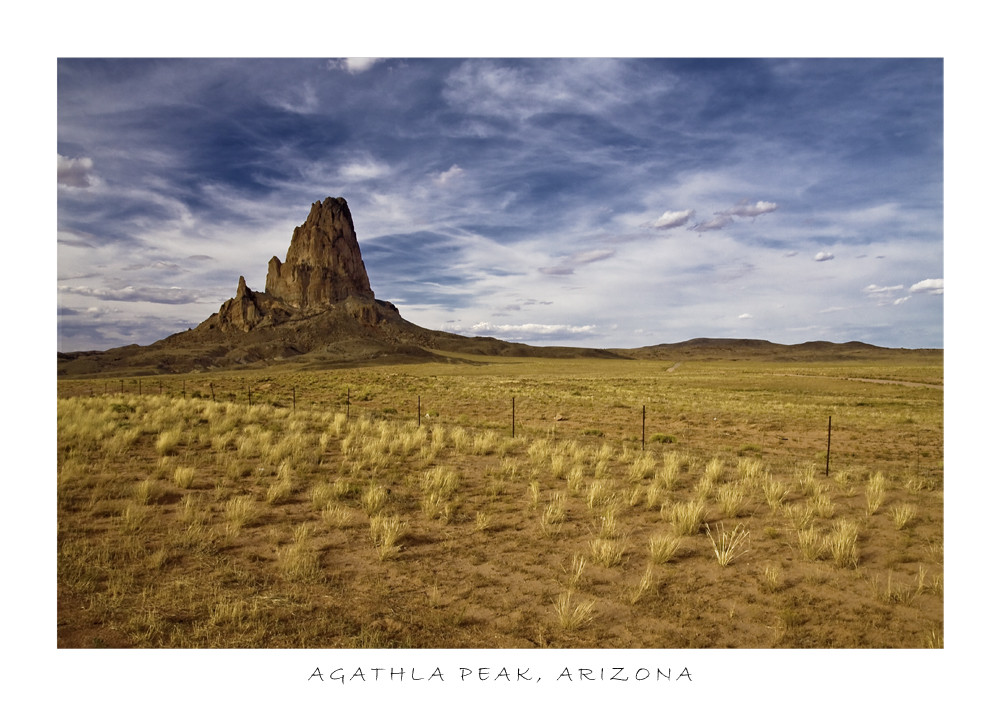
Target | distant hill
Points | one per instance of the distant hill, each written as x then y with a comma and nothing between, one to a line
743,348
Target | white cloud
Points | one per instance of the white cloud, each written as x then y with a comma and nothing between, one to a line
364,170
673,219
745,316
874,290
751,210
445,177
355,64
75,172
823,256
928,286
529,329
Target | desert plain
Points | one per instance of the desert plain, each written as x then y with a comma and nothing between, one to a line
681,501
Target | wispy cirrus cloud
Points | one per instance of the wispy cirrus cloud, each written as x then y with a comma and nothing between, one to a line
478,183
567,265
159,295
885,295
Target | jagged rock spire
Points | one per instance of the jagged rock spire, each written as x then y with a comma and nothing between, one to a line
323,264
242,312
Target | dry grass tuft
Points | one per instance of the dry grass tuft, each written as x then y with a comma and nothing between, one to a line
239,512
374,499
663,548
572,616
646,583
576,569
667,474
600,493
714,470
727,545
822,505
642,468
337,515
731,500
280,491
843,544
483,521
326,492
800,515
902,514
386,532
147,491
184,477
554,514
607,522
687,517
775,492
607,552
298,560
810,543
167,442
772,579
875,493
133,517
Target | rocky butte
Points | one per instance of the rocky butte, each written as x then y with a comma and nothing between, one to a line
323,267
317,309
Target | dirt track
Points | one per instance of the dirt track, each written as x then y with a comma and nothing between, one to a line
874,381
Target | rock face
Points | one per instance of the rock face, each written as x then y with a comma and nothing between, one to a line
243,312
323,265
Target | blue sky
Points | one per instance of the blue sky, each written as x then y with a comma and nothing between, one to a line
601,202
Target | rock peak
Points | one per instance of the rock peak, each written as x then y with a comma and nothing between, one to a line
323,265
